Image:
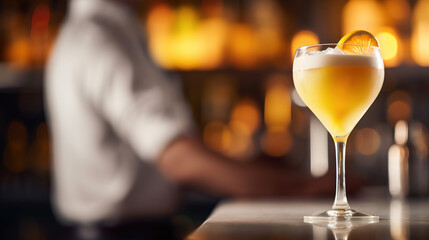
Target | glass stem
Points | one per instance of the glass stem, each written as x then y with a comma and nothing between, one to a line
340,194
342,235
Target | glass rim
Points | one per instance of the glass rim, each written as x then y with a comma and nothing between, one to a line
336,44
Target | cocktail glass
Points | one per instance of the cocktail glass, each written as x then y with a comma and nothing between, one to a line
338,88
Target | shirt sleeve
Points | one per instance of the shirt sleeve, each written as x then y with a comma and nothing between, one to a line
142,104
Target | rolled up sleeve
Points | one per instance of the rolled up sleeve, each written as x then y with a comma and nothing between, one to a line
142,104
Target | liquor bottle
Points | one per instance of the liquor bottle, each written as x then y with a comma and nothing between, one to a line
398,159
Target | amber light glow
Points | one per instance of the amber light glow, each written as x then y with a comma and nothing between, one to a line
367,141
399,107
18,53
235,139
277,140
397,10
420,34
389,47
246,114
245,120
303,38
366,15
29,47
159,22
277,105
180,38
186,43
217,136
242,46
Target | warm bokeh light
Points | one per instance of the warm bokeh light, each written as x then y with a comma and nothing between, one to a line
276,141
303,38
245,120
362,14
367,141
18,53
389,47
180,38
398,110
241,146
397,10
214,31
28,42
217,136
277,103
234,139
272,42
242,47
186,43
159,22
399,107
186,37
267,19
401,132
420,33
246,114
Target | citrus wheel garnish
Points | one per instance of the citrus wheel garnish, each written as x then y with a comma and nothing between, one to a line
357,42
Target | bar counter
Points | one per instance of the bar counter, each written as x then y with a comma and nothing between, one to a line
283,219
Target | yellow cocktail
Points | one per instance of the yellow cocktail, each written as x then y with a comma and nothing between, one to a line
339,82
338,88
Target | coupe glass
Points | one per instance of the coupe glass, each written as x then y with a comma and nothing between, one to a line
338,88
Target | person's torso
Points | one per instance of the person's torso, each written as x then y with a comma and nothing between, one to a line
97,174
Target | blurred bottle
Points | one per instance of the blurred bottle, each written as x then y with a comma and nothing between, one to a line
398,162
408,161
420,33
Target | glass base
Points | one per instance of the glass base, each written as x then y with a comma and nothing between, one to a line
341,215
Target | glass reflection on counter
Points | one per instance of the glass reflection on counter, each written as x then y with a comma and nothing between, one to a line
341,229
399,211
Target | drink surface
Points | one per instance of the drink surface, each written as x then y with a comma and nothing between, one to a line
338,88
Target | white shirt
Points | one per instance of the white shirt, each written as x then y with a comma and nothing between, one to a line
112,112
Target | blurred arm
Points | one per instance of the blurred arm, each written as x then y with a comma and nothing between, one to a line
187,162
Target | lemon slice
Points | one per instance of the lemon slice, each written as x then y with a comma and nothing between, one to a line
357,42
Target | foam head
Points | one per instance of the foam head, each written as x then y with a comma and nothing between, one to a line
334,57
